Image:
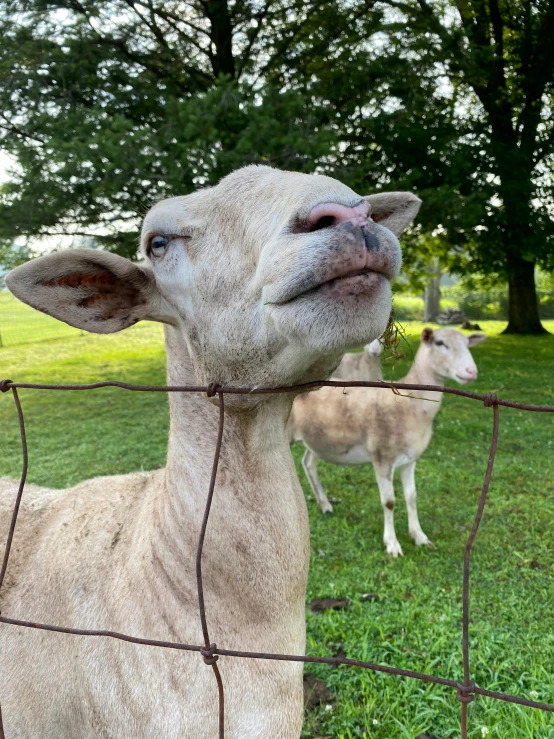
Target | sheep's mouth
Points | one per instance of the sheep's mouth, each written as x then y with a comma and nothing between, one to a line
354,273
344,267
348,283
465,380
342,278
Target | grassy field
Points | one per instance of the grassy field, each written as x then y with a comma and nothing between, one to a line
20,324
415,622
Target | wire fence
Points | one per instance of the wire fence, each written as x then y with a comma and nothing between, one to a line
466,689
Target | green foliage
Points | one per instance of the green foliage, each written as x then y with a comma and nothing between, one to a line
454,102
11,255
478,303
479,299
408,308
545,290
496,66
110,105
188,143
491,303
416,621
120,105
412,307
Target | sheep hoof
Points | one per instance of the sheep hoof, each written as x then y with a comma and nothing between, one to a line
326,507
394,549
421,540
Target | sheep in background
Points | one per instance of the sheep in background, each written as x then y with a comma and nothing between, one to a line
364,366
391,431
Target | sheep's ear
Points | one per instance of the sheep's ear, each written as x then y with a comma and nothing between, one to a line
427,335
374,348
89,289
474,339
395,210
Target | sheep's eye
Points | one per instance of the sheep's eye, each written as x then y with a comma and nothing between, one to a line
158,246
440,343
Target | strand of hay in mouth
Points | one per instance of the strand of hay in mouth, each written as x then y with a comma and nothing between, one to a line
392,336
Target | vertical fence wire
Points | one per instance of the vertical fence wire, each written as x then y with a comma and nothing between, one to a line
15,513
210,652
25,456
464,693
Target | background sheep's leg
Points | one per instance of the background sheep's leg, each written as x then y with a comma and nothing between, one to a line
309,462
407,476
386,491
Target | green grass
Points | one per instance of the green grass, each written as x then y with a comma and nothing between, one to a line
20,324
73,436
416,621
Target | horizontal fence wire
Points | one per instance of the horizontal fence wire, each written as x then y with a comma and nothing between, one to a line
210,652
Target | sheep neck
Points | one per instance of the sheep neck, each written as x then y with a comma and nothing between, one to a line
258,528
421,373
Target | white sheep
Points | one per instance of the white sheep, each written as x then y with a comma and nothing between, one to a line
364,366
361,425
264,279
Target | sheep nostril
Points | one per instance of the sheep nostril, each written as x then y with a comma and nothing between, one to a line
323,222
329,215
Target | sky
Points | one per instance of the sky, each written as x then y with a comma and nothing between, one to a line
5,162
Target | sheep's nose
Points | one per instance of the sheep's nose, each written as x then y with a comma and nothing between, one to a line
331,214
471,372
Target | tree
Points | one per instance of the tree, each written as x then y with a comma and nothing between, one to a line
432,294
109,105
503,52
496,61
455,100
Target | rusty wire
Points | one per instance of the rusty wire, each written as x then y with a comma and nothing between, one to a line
466,691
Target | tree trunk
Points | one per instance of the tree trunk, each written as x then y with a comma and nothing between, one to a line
432,295
523,314
516,191
221,35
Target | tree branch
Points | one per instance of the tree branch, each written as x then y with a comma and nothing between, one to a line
260,18
498,30
536,74
172,20
12,128
153,26
296,29
165,14
199,75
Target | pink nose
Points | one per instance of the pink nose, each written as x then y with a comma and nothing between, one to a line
472,372
331,214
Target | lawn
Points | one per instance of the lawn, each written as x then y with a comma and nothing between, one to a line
415,620
21,324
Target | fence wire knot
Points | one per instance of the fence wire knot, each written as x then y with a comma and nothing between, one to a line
212,389
490,400
210,657
465,692
5,385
